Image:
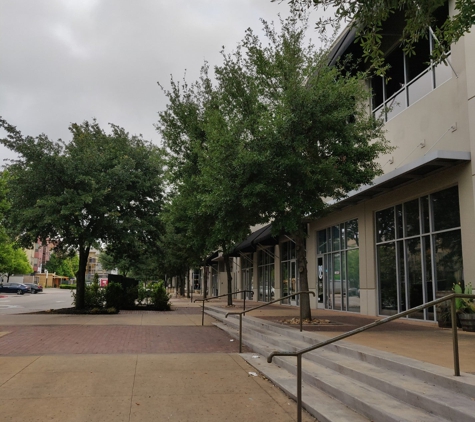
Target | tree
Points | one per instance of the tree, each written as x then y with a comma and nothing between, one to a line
304,134
13,260
109,262
99,187
63,265
369,16
206,208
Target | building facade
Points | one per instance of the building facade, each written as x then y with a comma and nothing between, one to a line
408,237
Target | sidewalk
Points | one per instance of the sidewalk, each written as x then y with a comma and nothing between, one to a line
131,367
164,366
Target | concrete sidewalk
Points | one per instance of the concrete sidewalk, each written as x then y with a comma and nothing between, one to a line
83,370
163,366
138,388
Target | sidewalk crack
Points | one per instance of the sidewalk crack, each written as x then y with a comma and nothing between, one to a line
133,386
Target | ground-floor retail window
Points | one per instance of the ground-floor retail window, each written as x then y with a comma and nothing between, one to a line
265,281
214,279
338,269
247,275
288,272
419,252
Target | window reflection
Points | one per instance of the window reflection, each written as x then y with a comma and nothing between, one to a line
414,269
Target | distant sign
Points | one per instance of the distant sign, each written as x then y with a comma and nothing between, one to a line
103,282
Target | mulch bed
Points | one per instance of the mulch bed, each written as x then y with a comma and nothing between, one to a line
343,323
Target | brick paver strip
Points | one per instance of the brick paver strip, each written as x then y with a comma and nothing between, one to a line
34,340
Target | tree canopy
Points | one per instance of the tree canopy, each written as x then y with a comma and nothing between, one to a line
274,137
63,265
368,17
13,259
99,187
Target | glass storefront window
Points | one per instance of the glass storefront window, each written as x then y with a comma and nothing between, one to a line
426,258
265,259
338,268
388,297
446,209
385,225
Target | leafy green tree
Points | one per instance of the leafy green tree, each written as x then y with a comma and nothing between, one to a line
206,209
99,187
369,16
110,263
300,129
14,260
60,264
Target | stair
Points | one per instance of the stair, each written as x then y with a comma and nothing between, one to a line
348,382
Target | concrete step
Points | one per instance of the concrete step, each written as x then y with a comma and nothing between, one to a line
360,396
319,404
426,372
399,388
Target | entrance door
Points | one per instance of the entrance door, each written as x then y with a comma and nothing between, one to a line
320,282
247,282
294,283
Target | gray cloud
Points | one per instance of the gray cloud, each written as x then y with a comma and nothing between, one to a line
65,61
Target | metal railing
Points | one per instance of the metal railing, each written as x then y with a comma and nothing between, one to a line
299,353
217,297
262,306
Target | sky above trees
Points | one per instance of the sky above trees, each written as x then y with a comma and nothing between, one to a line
70,61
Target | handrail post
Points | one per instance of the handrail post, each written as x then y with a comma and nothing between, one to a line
455,342
299,388
301,313
240,333
203,314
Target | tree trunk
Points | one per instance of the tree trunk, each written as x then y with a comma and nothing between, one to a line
81,277
188,284
182,285
303,275
204,287
230,279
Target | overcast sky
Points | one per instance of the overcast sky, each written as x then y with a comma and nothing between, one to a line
64,61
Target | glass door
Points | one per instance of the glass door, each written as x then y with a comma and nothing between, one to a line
294,283
247,282
320,278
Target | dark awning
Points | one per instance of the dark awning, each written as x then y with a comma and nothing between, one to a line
209,259
418,169
263,237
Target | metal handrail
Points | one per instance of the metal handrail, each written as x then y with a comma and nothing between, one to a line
261,306
216,297
299,353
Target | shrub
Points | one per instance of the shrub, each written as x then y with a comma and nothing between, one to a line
67,286
94,295
143,295
159,297
114,295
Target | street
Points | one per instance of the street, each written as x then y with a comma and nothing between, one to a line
19,304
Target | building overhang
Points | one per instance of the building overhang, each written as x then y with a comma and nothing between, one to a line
425,166
261,237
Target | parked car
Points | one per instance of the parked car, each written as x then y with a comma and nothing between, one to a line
17,288
35,288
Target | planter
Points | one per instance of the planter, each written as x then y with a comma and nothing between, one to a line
444,323
468,322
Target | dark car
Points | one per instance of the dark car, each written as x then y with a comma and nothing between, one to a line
17,288
35,288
